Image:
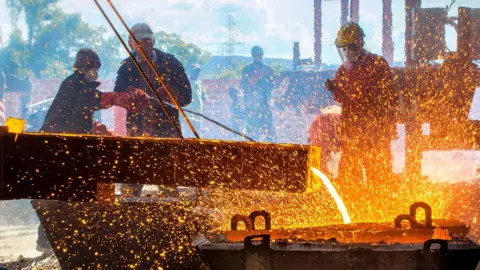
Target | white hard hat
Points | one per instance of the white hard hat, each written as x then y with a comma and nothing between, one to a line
142,31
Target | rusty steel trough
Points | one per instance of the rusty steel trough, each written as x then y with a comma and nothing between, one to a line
69,167
267,255
430,244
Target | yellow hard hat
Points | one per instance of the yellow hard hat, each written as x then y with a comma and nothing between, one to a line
350,34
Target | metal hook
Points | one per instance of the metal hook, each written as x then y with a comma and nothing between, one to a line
265,215
237,218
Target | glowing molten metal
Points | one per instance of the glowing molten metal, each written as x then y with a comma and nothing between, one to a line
338,200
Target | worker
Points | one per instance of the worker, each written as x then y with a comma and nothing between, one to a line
75,102
78,98
363,85
199,96
237,110
153,122
257,82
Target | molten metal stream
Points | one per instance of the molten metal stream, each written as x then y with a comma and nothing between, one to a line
338,200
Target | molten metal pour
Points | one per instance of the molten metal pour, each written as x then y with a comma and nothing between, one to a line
341,206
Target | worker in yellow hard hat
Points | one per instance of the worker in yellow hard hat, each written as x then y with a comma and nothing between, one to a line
363,85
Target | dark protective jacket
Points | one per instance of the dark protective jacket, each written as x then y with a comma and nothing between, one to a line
369,100
155,123
73,107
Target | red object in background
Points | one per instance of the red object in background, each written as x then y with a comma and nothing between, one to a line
2,110
325,132
120,115
99,129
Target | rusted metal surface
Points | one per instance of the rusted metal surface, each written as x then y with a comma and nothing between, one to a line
458,254
345,246
468,41
412,8
257,256
425,102
67,167
429,34
142,235
418,231
356,233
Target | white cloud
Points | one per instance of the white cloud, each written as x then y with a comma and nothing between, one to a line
272,23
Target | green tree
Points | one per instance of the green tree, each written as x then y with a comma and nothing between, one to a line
108,48
36,11
52,41
14,56
59,40
186,53
54,37
55,69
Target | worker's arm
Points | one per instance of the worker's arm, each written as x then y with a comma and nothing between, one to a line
335,86
269,79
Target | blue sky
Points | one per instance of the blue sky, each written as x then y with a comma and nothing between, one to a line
274,24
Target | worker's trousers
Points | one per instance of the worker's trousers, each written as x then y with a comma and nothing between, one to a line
370,153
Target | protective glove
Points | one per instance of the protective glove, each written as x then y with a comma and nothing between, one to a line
140,99
329,85
122,99
133,100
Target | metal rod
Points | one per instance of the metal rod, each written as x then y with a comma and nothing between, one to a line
387,30
344,12
354,10
159,78
219,124
162,104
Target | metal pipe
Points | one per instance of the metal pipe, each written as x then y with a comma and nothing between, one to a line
387,46
344,12
412,7
354,10
162,104
317,9
413,127
159,78
465,33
